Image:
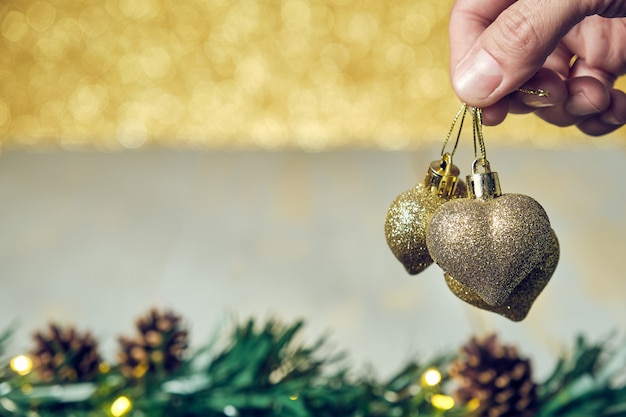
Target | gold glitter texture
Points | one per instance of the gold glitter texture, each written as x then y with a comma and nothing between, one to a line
307,74
517,306
410,212
490,245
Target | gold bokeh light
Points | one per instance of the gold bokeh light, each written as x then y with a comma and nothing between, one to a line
309,74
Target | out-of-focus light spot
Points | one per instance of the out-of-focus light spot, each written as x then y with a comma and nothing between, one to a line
104,367
473,404
87,101
155,62
335,57
269,133
431,377
14,26
296,15
415,28
121,406
140,9
311,135
362,27
442,402
251,73
132,134
186,22
49,49
399,56
93,21
230,411
390,396
21,365
5,115
8,405
41,15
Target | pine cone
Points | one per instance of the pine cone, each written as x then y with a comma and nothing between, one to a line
158,348
64,355
497,377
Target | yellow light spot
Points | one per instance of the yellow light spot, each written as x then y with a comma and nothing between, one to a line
21,365
104,367
140,370
473,404
14,26
121,406
296,15
5,116
431,377
155,62
415,28
442,402
93,21
293,397
41,15
27,389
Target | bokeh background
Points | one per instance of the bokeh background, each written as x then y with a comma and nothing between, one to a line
235,158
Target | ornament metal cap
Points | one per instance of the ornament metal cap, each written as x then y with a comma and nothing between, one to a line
483,185
442,176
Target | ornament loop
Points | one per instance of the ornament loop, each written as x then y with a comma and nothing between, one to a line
483,185
481,163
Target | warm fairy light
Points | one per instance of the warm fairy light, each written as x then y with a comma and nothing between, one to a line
304,74
104,367
473,404
442,402
294,397
22,365
431,377
140,370
121,406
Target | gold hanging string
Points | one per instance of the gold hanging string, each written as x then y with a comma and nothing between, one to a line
460,114
538,92
480,153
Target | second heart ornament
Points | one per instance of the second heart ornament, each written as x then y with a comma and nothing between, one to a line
491,241
517,306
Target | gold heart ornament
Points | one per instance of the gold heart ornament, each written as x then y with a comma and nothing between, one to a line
409,213
491,241
517,306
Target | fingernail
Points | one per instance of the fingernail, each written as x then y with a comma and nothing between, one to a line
610,119
477,76
536,102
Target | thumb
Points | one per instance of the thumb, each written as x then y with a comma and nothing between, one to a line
510,50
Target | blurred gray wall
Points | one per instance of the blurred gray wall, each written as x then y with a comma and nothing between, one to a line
95,239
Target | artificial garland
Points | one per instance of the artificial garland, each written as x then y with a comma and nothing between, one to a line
259,369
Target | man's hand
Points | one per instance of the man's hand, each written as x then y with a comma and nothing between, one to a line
574,49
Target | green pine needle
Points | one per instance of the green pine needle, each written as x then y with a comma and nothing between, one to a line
263,370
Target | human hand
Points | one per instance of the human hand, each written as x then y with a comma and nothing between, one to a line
573,49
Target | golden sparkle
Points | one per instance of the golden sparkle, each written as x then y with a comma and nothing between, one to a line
309,74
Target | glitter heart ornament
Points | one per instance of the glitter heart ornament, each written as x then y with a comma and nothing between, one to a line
409,213
517,306
491,241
